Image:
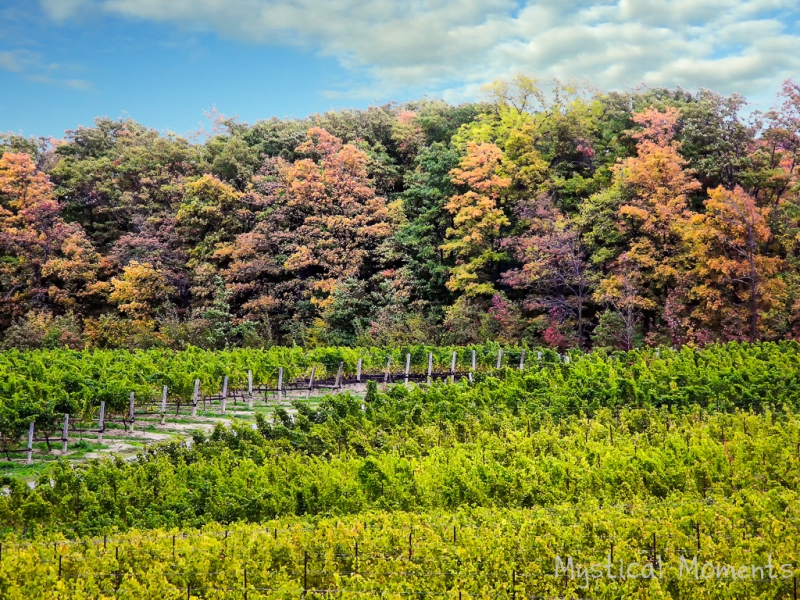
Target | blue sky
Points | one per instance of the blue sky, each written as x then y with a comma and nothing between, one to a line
166,62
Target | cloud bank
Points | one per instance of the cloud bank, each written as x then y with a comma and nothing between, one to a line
453,46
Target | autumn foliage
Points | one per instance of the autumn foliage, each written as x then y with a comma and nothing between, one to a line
566,216
46,262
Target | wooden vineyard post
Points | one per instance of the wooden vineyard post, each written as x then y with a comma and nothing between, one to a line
305,572
566,358
64,435
194,397
408,366
224,399
30,444
250,389
472,366
339,376
358,370
499,358
513,585
163,404
102,426
280,384
655,548
539,355
311,382
453,367
522,361
430,366
388,370
130,411
697,531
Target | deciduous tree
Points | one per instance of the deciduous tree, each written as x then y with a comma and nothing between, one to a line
555,268
141,292
47,262
478,221
322,223
655,186
621,293
737,281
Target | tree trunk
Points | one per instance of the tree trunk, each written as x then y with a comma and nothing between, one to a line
753,298
629,328
753,310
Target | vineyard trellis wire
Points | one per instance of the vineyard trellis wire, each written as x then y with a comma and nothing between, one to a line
47,384
696,478
297,578
283,390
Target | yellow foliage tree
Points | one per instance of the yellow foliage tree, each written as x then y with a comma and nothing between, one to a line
210,216
478,218
140,292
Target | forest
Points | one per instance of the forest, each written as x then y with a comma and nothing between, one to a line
547,214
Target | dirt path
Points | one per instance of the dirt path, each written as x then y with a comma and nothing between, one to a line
149,430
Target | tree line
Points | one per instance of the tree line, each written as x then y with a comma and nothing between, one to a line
545,214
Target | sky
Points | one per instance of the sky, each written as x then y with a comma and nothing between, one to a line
167,63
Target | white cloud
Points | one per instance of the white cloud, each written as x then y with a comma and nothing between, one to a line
32,67
9,62
63,9
73,84
451,46
17,61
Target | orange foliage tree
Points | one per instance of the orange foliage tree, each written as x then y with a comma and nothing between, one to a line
736,282
321,224
656,187
46,262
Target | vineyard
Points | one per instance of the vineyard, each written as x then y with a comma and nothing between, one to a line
332,474
99,393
